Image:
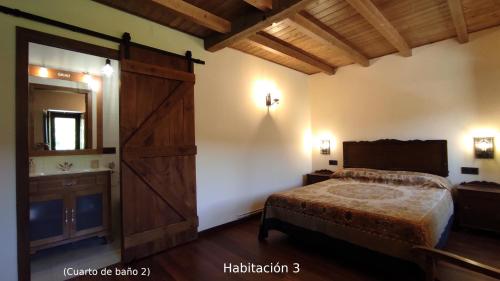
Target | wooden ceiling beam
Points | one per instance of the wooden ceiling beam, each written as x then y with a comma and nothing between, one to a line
373,15
251,23
269,41
314,28
263,5
457,14
196,15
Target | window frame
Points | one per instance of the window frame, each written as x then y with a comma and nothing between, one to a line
52,115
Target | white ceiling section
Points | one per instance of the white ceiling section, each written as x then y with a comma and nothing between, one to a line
67,60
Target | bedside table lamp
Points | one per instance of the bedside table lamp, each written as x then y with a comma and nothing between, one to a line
484,148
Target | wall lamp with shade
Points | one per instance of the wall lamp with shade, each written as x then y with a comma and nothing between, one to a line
270,101
484,148
324,147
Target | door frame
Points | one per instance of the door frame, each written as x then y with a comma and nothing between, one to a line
23,38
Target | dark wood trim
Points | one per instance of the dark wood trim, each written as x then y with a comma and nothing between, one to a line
100,117
22,165
157,71
433,255
23,38
89,140
316,29
269,41
481,183
425,156
196,14
374,16
250,23
458,17
68,44
133,153
88,120
65,152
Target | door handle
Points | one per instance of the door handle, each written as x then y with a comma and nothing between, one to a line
66,216
72,215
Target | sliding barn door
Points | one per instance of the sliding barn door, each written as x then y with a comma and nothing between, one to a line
157,153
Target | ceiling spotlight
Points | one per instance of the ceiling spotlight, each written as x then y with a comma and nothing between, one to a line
43,72
107,69
86,78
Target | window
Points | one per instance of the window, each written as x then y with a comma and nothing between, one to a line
64,130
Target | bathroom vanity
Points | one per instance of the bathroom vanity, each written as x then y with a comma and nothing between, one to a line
68,206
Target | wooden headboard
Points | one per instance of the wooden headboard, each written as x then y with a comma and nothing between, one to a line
428,156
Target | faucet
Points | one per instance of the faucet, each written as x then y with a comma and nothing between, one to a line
66,166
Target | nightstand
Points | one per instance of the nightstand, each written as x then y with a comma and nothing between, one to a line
478,205
318,176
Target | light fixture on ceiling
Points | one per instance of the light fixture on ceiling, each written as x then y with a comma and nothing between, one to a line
270,101
43,72
107,69
86,78
484,148
92,83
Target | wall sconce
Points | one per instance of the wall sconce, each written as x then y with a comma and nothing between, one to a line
270,102
107,69
484,148
324,147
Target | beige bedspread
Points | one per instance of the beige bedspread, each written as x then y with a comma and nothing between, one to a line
405,207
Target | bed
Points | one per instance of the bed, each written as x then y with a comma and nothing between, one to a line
390,196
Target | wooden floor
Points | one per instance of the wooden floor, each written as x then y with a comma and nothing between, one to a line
204,259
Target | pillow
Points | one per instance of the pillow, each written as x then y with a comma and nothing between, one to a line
393,177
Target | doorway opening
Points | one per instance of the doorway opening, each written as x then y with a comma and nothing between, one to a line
68,172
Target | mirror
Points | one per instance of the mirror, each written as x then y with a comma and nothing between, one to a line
64,112
60,118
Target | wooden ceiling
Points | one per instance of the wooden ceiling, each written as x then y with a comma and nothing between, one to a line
314,36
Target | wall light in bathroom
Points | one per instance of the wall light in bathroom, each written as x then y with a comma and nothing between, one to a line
107,69
270,101
325,147
484,147
43,72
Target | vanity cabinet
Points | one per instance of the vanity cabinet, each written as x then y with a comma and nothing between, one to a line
69,207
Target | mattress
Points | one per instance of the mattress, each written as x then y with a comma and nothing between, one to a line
387,211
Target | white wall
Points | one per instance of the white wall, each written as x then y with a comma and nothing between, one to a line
244,153
444,91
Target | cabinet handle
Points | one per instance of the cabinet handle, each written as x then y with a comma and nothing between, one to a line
72,215
66,215
69,183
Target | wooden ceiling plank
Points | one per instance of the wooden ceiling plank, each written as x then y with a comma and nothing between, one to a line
457,14
263,5
315,29
372,14
251,23
283,47
196,15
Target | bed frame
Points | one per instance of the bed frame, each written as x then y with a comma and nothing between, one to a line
426,156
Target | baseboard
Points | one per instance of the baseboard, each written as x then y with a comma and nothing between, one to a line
239,219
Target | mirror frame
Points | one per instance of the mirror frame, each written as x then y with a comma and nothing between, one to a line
75,77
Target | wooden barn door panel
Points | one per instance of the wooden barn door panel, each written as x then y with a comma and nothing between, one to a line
157,153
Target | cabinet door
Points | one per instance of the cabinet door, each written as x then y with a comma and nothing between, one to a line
89,211
479,210
48,219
